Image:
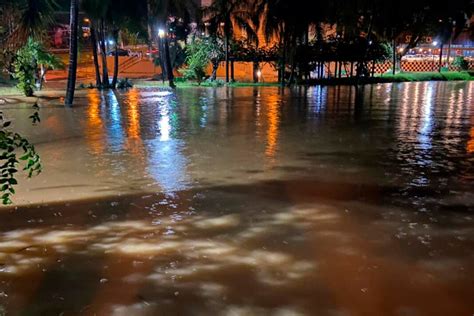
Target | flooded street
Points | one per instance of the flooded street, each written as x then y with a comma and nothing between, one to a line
337,201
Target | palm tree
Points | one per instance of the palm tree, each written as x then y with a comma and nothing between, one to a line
23,19
98,81
96,11
159,14
285,22
223,15
71,82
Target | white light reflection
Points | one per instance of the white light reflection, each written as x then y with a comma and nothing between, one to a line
167,164
426,118
115,132
320,98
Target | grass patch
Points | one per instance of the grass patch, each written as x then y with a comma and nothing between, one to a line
8,87
6,90
428,76
207,84
399,77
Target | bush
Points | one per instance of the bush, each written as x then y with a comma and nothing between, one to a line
200,54
124,84
461,62
215,83
31,64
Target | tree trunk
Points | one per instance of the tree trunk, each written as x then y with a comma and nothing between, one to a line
116,59
226,48
71,81
232,77
394,57
42,74
255,71
169,66
440,66
150,25
283,59
215,66
103,53
98,82
161,52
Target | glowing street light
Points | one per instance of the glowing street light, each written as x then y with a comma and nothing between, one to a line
111,42
161,33
435,43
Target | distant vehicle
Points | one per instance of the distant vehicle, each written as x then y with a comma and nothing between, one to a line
120,52
153,51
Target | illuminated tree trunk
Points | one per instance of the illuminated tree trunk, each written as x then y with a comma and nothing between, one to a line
226,48
169,66
71,81
103,53
116,60
98,82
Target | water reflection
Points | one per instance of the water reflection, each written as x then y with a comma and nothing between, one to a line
367,186
166,161
115,130
132,100
95,125
273,117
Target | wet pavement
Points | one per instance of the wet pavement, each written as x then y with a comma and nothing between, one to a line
246,201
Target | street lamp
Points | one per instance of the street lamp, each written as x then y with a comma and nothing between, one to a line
435,43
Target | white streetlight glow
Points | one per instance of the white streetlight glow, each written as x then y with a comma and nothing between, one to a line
161,33
435,43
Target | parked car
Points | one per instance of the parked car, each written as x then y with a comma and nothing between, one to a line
121,52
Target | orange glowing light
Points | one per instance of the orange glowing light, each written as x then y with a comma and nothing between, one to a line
273,117
133,129
470,143
95,124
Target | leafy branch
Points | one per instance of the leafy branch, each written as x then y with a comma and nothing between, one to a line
10,144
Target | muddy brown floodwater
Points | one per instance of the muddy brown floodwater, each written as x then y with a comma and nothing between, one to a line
337,201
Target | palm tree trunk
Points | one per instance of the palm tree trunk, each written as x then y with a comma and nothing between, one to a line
116,60
255,71
98,82
232,71
440,66
150,25
161,52
169,67
71,81
103,53
226,48
215,66
394,57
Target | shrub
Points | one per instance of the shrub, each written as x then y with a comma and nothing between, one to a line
31,64
124,84
200,53
461,62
